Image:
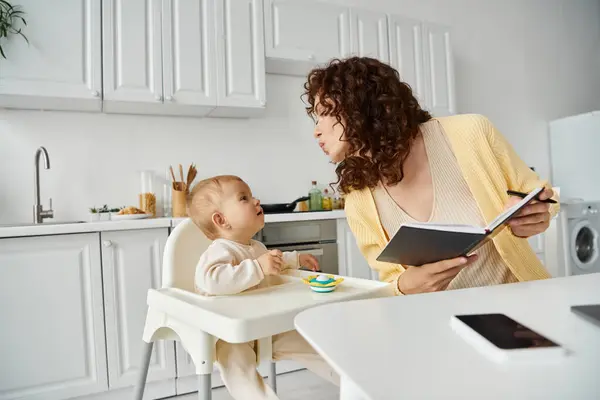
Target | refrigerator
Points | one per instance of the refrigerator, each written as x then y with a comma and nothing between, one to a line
575,156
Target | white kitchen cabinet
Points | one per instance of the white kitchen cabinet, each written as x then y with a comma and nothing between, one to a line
132,55
132,264
351,261
421,53
406,53
183,57
189,62
52,317
439,71
60,68
369,35
300,34
240,58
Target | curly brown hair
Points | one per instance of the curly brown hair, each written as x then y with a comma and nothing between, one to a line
378,112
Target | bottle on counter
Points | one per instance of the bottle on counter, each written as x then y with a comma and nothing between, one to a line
327,201
336,203
315,198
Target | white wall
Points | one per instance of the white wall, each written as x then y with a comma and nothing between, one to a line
95,158
520,62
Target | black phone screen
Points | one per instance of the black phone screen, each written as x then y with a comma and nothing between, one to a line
504,332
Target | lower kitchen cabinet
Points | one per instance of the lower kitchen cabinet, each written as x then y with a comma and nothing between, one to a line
132,264
51,318
351,261
73,313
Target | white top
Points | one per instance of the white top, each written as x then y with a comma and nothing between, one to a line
404,347
229,267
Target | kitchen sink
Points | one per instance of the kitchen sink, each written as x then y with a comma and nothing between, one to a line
41,224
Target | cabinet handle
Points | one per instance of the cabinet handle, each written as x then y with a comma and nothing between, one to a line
262,103
107,243
169,98
96,93
158,97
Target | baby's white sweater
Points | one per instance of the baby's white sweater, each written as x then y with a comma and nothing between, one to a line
228,267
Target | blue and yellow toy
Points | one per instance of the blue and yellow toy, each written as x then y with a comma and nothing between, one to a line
322,283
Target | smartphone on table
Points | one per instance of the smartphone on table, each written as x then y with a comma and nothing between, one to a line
504,339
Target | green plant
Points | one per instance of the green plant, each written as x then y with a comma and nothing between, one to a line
94,210
9,18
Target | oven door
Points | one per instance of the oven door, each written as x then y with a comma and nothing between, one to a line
325,253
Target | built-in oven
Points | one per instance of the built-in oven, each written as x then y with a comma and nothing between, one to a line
318,238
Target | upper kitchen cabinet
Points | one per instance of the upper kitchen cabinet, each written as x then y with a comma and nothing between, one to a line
132,55
189,56
406,52
181,57
369,35
422,55
300,34
439,71
241,87
60,68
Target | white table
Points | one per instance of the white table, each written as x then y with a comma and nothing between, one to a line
404,347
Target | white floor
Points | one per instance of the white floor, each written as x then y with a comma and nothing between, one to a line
299,385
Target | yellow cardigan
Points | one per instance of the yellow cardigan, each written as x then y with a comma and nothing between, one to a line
490,167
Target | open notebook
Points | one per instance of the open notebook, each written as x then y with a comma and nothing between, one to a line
423,243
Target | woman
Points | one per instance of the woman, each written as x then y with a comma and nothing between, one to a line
397,164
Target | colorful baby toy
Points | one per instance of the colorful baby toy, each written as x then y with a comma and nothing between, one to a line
322,283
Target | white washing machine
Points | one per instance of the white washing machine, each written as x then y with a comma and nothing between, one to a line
580,237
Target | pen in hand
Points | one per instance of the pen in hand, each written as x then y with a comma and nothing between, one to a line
523,195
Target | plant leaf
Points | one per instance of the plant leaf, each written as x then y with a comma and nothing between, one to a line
2,53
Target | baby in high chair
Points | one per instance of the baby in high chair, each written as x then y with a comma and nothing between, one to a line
224,209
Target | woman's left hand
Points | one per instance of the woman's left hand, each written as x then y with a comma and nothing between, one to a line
309,261
534,218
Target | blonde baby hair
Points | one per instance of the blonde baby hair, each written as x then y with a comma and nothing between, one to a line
205,199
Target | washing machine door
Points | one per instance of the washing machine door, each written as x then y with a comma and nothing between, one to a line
584,248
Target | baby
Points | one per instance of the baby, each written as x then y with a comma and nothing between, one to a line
224,209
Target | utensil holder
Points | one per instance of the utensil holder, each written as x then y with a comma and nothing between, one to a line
179,201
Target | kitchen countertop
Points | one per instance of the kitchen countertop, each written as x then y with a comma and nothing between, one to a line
84,227
294,216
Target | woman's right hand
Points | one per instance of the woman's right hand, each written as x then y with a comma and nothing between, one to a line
433,277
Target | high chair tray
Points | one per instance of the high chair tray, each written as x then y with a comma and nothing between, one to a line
260,312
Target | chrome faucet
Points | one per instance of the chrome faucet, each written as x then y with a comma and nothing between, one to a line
39,214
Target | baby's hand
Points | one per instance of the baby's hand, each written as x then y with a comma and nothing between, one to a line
271,262
310,261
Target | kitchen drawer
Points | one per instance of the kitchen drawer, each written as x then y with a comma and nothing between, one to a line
298,232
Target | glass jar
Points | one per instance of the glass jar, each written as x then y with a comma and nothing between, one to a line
147,196
166,196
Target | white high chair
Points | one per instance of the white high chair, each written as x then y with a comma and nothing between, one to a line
175,312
